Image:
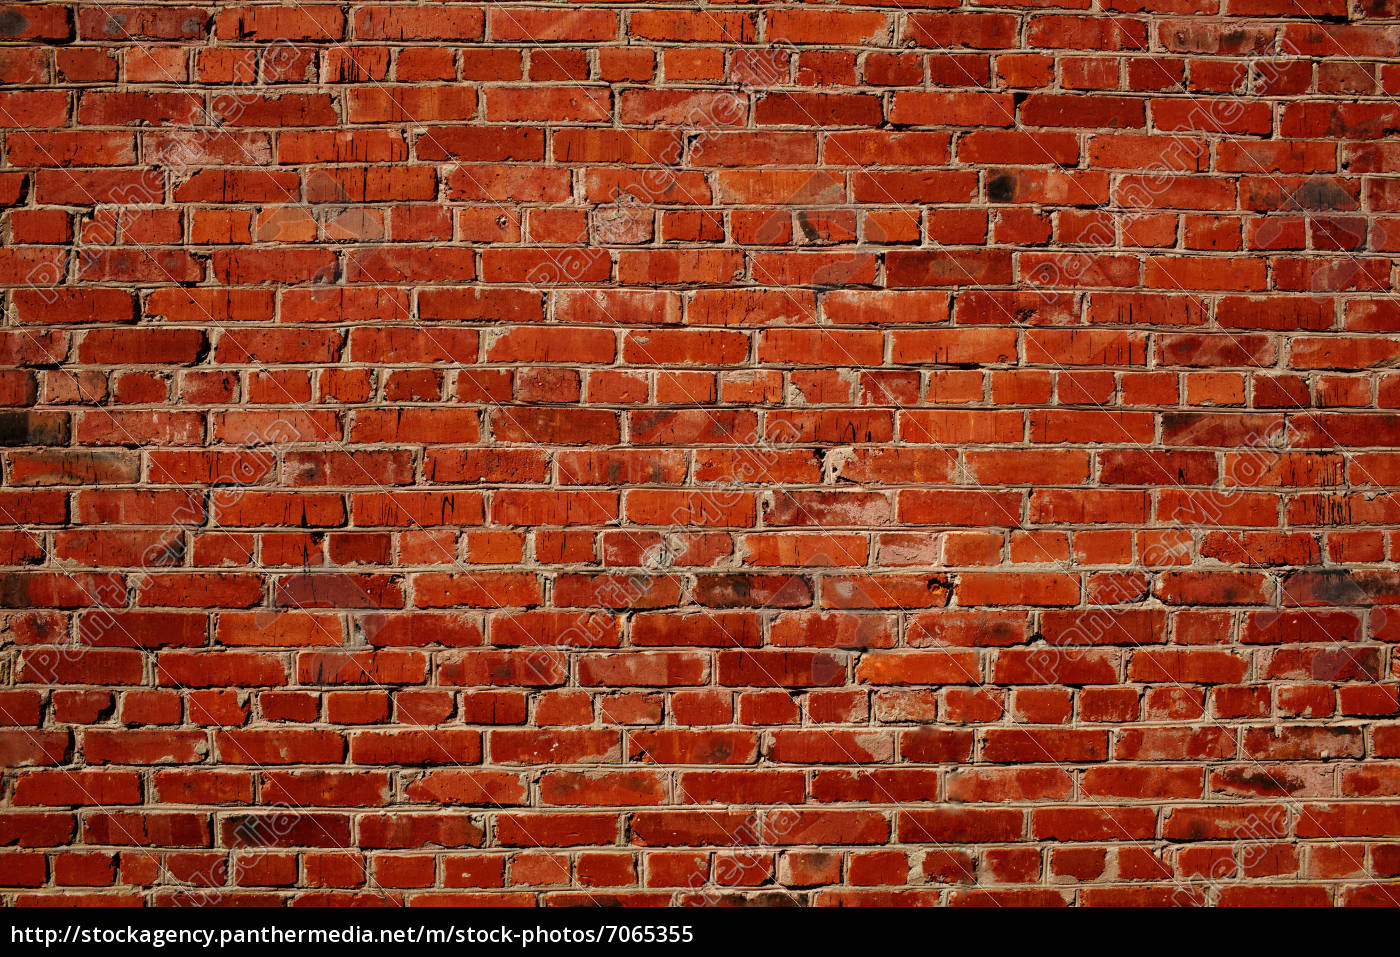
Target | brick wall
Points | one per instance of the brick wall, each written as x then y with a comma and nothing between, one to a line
670,453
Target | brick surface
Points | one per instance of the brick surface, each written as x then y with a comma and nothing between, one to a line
828,452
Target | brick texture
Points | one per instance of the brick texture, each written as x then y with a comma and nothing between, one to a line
673,453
